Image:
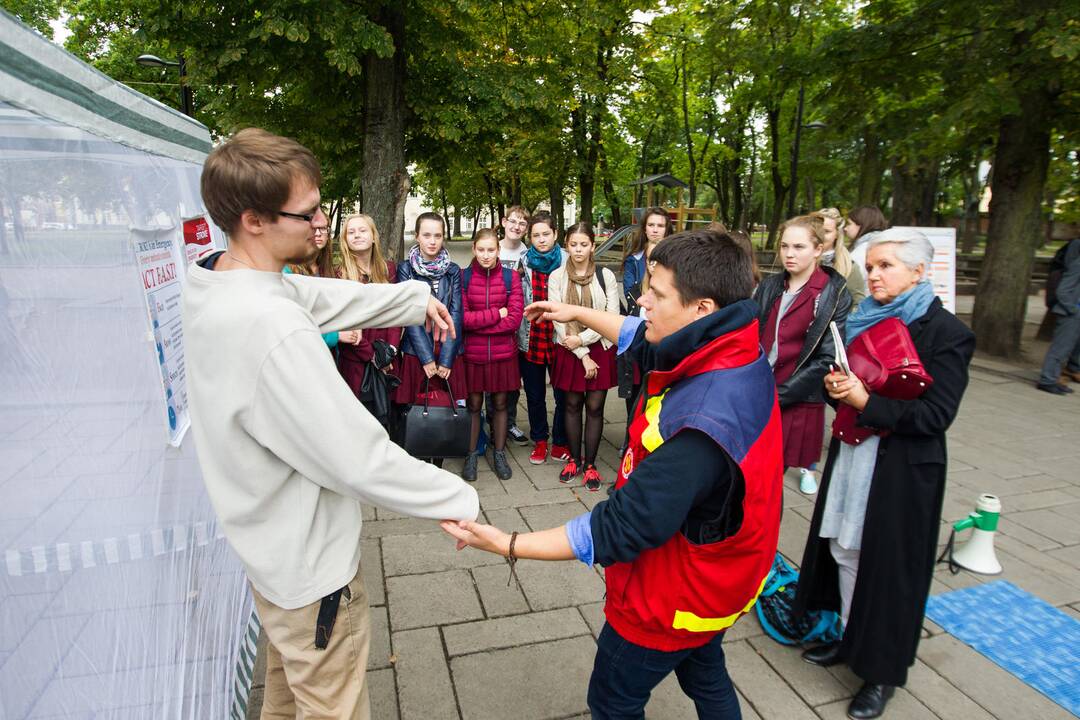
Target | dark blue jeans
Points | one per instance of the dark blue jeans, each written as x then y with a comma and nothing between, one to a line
624,675
534,381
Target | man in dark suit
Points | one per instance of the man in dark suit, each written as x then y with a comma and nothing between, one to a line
1064,349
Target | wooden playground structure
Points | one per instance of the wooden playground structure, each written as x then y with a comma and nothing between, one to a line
682,215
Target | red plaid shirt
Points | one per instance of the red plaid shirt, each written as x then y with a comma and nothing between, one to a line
541,332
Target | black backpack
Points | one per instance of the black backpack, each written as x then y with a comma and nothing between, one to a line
1057,269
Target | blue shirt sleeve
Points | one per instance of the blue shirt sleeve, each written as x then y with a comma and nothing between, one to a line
628,332
579,533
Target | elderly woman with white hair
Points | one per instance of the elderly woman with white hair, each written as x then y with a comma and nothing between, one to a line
871,548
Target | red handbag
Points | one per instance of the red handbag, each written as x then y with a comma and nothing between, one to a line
885,359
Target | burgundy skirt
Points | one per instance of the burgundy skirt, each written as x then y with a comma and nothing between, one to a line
804,431
413,378
494,376
568,373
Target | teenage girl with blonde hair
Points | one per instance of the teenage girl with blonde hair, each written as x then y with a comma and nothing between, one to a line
835,254
362,261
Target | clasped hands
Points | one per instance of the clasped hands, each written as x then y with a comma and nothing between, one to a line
477,535
572,343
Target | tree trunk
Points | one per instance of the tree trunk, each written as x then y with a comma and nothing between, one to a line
744,221
721,185
972,189
871,168
639,190
928,190
490,196
904,192
558,205
688,136
384,176
515,189
476,220
443,205
340,216
1021,161
585,173
779,189
457,221
609,191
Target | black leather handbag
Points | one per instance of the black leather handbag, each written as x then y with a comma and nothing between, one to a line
377,387
437,431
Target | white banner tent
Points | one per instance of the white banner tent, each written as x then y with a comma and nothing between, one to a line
118,596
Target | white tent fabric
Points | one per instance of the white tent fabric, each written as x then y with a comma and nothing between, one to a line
119,598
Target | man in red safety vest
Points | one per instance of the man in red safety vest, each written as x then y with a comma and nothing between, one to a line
690,532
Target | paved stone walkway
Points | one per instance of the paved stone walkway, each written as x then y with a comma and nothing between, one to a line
452,640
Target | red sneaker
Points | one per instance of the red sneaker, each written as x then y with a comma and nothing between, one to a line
592,478
560,452
539,453
569,471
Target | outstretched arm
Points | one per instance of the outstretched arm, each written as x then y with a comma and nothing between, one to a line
550,544
606,323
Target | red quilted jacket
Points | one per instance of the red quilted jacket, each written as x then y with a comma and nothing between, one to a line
487,336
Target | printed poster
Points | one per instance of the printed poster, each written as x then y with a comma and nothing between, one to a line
943,268
160,264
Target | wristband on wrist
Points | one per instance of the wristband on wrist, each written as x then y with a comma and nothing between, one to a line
511,559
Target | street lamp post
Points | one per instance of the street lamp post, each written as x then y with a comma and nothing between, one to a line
187,99
799,127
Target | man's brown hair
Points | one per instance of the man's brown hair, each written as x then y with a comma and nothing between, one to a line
254,170
517,209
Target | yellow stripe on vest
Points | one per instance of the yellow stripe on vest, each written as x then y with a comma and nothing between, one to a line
685,620
650,436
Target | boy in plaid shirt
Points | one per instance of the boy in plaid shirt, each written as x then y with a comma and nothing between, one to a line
536,343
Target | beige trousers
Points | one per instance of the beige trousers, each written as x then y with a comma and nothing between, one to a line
309,684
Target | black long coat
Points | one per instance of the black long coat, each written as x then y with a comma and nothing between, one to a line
903,511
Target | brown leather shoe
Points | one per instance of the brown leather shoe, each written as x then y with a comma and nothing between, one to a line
1070,375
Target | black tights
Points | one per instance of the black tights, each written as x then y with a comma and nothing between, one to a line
593,403
498,419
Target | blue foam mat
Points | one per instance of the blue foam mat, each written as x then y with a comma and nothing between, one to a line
1030,638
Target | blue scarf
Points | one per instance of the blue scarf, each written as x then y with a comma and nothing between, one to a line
542,262
908,306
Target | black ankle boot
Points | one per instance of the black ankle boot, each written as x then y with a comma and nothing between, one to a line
824,655
870,701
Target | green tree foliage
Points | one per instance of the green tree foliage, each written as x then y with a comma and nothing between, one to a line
38,14
912,105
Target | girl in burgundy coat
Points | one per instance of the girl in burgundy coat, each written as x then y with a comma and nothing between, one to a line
492,301
796,307
362,260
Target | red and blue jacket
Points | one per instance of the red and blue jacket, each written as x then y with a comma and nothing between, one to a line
676,577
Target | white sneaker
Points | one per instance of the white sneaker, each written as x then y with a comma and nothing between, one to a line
807,482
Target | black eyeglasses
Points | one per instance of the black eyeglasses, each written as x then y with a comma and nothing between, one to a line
306,217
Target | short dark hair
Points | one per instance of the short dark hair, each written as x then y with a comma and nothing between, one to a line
543,217
706,264
430,216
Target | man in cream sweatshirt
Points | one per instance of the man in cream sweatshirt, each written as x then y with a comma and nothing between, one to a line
287,451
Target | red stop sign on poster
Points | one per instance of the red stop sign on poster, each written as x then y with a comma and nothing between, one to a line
197,240
196,232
